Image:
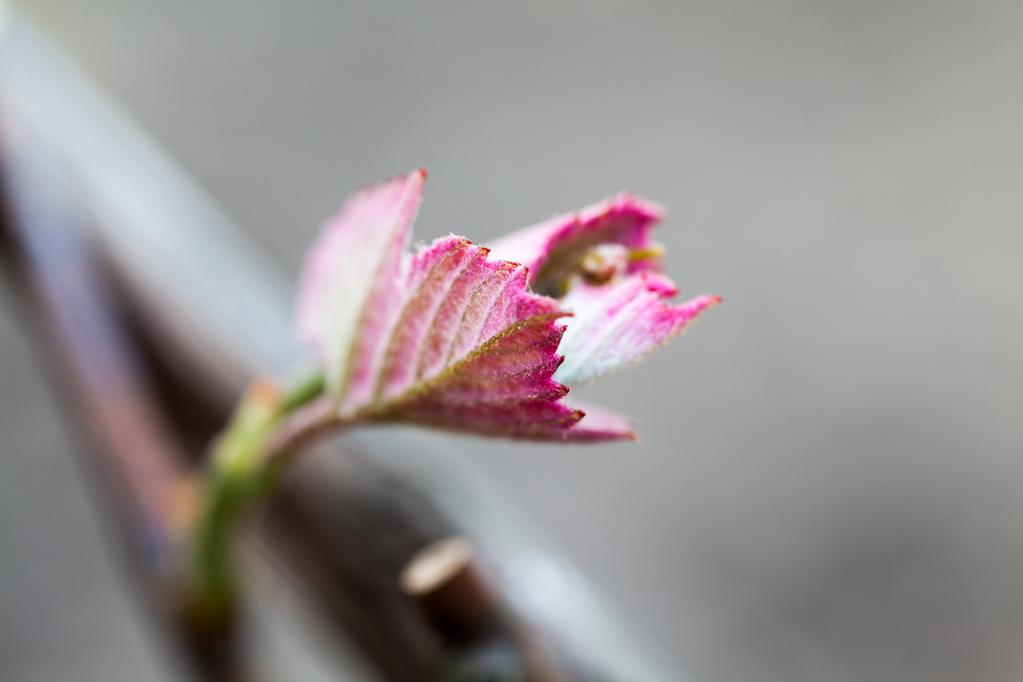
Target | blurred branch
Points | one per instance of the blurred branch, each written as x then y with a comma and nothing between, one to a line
100,378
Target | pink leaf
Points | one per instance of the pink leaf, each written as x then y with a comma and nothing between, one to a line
605,268
447,337
351,286
620,323
600,424
554,249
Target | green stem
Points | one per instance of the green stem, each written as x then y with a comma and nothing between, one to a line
303,392
241,471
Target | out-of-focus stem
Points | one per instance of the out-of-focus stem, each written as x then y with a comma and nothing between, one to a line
242,469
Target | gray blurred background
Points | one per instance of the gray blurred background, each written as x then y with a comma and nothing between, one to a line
829,483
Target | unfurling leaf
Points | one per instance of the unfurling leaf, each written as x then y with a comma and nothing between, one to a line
621,323
447,336
603,264
464,337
